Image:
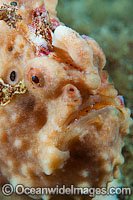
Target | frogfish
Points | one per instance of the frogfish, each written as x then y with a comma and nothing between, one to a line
62,121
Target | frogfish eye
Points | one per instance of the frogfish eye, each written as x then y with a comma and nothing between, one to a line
36,77
13,76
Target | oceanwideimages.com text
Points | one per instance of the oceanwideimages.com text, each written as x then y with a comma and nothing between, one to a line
8,190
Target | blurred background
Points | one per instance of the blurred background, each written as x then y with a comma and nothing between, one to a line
110,23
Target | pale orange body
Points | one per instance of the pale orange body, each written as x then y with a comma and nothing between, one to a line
68,126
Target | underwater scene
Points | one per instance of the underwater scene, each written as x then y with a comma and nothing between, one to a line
66,99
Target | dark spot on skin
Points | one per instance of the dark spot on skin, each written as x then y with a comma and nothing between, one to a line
35,79
27,103
13,3
10,48
31,109
13,76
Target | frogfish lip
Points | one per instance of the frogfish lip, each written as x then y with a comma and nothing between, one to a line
97,106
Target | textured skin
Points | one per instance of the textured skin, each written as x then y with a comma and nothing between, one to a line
68,128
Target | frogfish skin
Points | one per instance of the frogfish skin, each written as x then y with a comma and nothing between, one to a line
61,120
